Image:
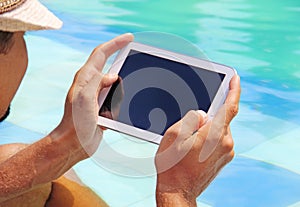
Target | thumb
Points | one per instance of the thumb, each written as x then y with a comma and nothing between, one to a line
190,123
190,127
172,148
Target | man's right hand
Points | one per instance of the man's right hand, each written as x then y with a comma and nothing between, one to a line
193,151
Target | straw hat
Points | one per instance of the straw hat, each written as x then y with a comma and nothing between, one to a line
24,15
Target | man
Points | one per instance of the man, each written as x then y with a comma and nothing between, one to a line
190,155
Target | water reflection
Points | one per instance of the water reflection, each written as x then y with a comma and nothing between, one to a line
259,38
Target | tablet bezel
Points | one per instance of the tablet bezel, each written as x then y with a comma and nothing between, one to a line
191,61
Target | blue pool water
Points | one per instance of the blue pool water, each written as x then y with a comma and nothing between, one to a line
261,39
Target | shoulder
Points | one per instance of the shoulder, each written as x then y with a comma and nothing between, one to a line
34,197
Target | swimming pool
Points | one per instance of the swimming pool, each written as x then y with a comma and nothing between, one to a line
260,39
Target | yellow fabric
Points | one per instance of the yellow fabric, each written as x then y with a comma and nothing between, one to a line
33,198
66,193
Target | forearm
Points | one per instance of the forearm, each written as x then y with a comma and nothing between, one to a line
173,199
37,164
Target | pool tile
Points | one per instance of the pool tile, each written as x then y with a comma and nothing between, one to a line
295,204
148,201
116,190
249,128
246,182
111,136
279,151
201,204
44,52
45,123
115,147
128,156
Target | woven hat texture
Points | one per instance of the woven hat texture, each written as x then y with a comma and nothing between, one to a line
25,15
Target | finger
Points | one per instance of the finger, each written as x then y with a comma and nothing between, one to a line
185,127
234,90
230,109
100,81
233,98
227,142
107,80
191,122
213,133
106,114
103,51
103,128
90,91
209,136
172,148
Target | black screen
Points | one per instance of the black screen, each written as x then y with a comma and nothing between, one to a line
153,93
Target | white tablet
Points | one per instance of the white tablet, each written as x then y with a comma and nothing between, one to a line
156,88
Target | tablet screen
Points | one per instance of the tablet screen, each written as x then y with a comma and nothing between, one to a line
153,93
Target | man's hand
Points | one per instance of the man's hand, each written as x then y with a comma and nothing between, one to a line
81,106
193,151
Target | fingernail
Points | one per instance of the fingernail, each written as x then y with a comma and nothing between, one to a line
203,114
113,75
128,33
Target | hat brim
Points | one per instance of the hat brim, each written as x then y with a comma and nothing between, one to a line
31,15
